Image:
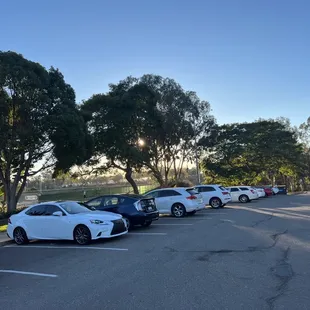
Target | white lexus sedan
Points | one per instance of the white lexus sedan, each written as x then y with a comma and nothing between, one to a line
64,220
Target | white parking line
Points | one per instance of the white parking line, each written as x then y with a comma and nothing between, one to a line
29,273
149,234
172,224
64,247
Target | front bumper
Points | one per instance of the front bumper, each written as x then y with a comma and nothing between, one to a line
114,229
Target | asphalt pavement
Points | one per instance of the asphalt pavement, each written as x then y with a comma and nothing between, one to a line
244,256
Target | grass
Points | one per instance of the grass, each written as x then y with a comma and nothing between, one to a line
3,228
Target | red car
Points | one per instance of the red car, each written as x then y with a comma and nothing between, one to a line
268,191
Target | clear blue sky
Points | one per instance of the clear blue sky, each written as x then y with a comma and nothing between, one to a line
248,58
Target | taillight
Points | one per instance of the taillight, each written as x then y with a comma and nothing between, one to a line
9,221
252,191
192,197
225,193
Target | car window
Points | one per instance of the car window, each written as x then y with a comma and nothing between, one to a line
110,201
234,189
169,193
37,210
50,209
95,202
73,207
208,189
222,188
244,188
154,194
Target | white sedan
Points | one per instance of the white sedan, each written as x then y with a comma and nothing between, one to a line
64,220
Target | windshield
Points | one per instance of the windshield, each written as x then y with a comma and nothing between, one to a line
73,207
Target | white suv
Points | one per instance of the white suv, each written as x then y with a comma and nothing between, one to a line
214,195
177,200
243,194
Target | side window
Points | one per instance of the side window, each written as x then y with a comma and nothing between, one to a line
199,189
50,209
208,189
110,201
37,210
244,188
152,195
95,202
168,193
234,189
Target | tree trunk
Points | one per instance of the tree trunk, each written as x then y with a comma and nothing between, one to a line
131,181
11,201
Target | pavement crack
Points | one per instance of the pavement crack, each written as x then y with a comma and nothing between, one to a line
266,219
284,273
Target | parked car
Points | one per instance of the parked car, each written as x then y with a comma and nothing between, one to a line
242,194
214,195
64,220
281,190
177,201
268,191
275,190
135,209
260,191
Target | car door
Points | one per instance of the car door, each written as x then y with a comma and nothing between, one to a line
33,222
166,198
109,203
235,193
56,227
207,192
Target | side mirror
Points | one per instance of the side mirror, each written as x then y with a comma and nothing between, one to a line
57,213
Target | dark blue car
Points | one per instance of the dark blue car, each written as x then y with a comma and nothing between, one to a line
135,209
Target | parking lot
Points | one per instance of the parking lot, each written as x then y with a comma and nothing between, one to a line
243,256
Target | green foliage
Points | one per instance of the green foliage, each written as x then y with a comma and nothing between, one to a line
155,110
39,120
251,153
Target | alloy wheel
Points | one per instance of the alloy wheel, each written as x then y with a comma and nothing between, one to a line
19,236
215,203
178,210
82,235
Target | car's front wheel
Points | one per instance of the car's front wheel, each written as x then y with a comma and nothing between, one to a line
82,235
128,223
178,210
244,199
20,236
215,203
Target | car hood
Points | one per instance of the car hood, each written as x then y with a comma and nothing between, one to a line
99,215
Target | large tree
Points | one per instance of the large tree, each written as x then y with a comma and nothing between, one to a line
252,152
40,124
175,120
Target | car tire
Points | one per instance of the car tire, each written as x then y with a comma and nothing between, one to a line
128,223
244,199
82,235
20,236
146,224
215,203
191,213
178,210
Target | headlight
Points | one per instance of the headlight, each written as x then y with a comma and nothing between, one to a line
98,222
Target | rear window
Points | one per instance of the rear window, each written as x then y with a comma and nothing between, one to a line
244,188
192,191
222,188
